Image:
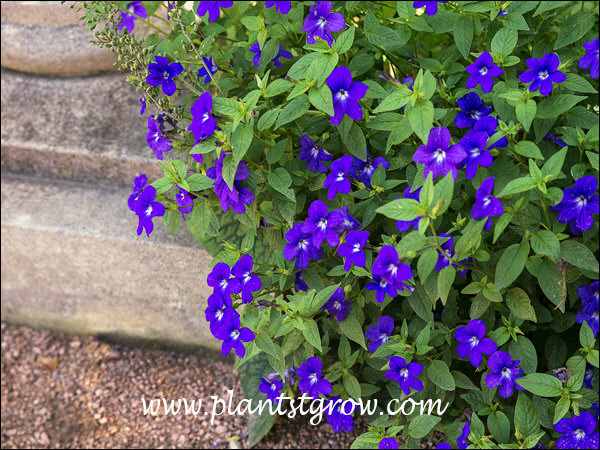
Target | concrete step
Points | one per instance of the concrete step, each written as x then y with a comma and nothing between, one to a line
84,128
72,261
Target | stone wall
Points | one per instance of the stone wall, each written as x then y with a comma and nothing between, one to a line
72,140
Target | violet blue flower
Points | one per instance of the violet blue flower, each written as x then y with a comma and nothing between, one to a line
504,373
390,269
489,124
312,381
556,140
203,124
254,48
473,343
578,204
486,205
472,109
236,197
438,158
346,94
381,288
212,8
430,8
146,208
405,374
337,180
445,257
380,333
588,378
542,73
577,432
272,388
313,155
351,249
463,440
232,334
482,71
590,301
212,69
184,201
590,60
280,7
404,225
249,282
502,12
338,419
443,446
388,443
321,22
300,246
143,108
363,170
139,183
474,143
337,306
162,74
348,223
300,284
156,138
219,279
321,224
128,19
217,304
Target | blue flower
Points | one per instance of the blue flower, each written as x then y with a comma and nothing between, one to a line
254,48
155,138
404,225
184,201
272,388
280,7
340,420
405,374
146,209
474,144
143,108
321,224
162,74
337,306
588,378
577,432
337,180
212,8
249,282
212,69
233,334
381,288
439,159
472,109
380,333
430,8
590,301
313,155
556,140
473,343
348,223
351,249
578,204
300,247
363,170
128,19
139,183
320,22
504,373
445,256
390,269
542,73
346,94
214,312
463,442
388,443
482,71
312,381
237,197
219,279
590,60
443,446
203,124
300,284
486,205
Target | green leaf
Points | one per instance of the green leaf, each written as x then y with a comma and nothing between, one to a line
400,209
556,105
511,264
277,87
439,374
241,140
586,335
579,255
300,67
527,421
344,41
499,426
445,280
321,68
504,41
545,242
322,99
519,304
463,34
574,28
420,117
266,344
199,182
554,163
396,100
528,149
526,112
524,351
275,153
541,384
321,298
386,122
356,143
162,185
578,84
420,426
280,180
551,282
268,119
470,238
562,408
518,185
426,264
442,194
352,386
293,110
311,332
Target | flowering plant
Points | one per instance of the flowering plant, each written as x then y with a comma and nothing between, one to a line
413,189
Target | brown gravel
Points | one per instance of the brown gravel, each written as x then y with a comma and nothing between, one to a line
65,391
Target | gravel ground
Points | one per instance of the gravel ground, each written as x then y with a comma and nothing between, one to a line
65,391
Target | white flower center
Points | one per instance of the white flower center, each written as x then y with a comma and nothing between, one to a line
475,114
205,117
302,244
337,305
404,373
580,434
475,152
483,70
340,176
322,22
148,210
439,155
313,378
342,94
506,372
382,284
273,387
322,224
486,201
219,314
474,341
247,277
223,284
384,338
314,152
581,200
235,334
543,75
356,248
393,269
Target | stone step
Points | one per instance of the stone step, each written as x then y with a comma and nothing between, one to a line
84,128
72,261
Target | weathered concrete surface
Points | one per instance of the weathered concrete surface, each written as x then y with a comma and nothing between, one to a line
41,14
71,261
85,128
